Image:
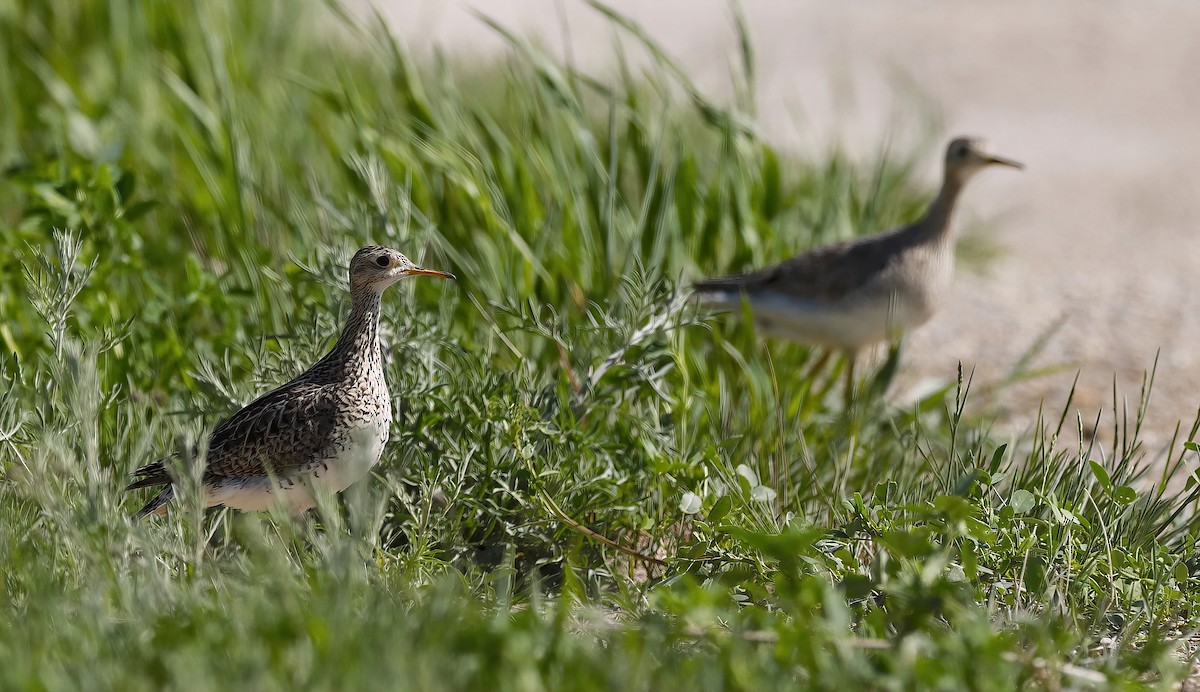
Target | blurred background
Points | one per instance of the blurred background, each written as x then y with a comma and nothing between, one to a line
587,480
1092,249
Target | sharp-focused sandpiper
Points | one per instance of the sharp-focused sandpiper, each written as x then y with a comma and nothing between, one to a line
328,426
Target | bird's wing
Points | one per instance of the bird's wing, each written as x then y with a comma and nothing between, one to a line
280,431
824,274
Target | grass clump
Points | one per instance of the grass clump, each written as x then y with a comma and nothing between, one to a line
183,184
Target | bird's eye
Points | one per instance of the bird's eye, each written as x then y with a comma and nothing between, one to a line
383,261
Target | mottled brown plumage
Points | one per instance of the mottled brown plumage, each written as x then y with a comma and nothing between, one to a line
328,425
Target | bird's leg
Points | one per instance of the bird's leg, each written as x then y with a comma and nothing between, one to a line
819,362
300,515
850,358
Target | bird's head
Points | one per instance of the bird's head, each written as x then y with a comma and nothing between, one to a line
376,267
966,156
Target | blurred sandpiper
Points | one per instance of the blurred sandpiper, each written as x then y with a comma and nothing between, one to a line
852,294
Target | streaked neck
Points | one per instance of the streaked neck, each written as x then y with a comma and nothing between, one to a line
358,346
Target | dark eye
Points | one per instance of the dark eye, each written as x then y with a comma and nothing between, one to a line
383,261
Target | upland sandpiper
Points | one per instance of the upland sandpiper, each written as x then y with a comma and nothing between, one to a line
328,426
860,292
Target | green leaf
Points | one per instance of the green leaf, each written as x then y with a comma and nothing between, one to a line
886,492
954,507
1035,573
980,531
55,202
1062,515
138,210
1125,495
720,509
1101,475
997,457
907,543
762,493
1022,501
786,546
964,484
969,560
747,473
857,586
126,184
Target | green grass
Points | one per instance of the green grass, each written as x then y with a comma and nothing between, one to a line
183,185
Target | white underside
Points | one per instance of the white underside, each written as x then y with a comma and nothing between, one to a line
296,493
848,324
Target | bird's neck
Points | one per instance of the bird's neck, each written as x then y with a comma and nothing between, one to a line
937,218
357,349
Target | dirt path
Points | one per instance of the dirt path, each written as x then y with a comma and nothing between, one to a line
1100,100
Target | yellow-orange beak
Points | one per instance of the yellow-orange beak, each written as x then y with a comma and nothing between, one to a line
418,271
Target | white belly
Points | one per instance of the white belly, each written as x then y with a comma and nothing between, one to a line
361,452
848,324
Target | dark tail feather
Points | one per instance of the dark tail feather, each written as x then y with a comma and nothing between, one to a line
150,475
720,283
705,285
157,506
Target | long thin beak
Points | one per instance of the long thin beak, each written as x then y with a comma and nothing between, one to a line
417,271
1005,162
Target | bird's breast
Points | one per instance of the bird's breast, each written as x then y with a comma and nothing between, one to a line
353,455
916,284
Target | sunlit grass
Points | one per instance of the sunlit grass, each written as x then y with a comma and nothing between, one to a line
590,482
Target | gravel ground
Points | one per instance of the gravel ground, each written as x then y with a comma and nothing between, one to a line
1099,99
